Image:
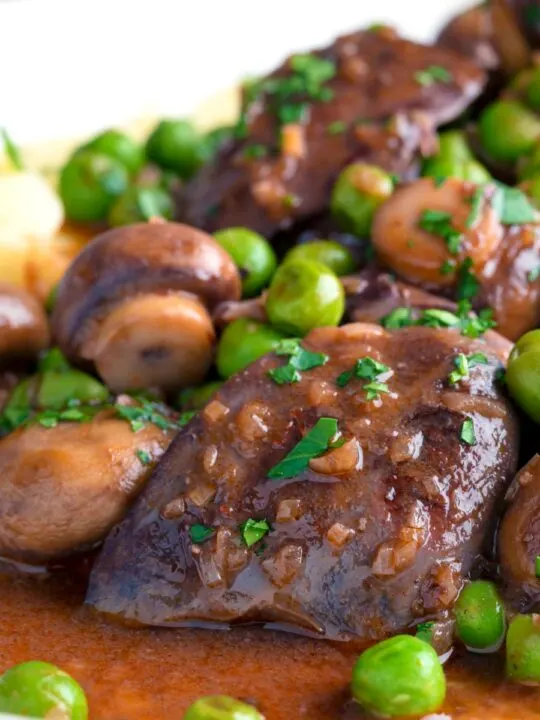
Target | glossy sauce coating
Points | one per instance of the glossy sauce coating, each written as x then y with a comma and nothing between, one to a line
376,79
150,674
370,538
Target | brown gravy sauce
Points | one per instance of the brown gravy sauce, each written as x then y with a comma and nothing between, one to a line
150,674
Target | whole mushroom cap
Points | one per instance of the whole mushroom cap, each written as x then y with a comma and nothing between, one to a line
156,258
136,303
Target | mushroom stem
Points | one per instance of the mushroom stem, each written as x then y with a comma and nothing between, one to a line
164,340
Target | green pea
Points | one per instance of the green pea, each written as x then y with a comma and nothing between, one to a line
358,192
252,254
455,159
221,707
533,90
523,374
57,389
176,145
37,688
303,295
196,397
508,130
328,252
121,147
89,184
480,620
400,676
53,360
242,342
523,649
140,204
529,166
218,137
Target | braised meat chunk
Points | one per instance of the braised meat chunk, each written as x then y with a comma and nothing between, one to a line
349,503
370,95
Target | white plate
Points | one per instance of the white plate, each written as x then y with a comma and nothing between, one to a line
70,67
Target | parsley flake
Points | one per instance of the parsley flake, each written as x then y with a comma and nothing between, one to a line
199,533
447,267
512,206
476,206
368,369
144,456
463,364
145,412
312,445
424,631
468,285
299,359
533,274
336,128
254,530
433,74
255,152
537,566
438,222
467,433
398,318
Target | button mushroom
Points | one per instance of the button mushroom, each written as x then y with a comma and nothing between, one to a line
519,537
452,238
63,488
24,329
136,303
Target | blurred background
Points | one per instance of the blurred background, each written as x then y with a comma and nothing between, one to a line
70,67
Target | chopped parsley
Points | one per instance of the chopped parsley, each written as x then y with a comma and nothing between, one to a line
289,95
11,150
299,359
144,456
467,283
146,412
438,222
537,566
534,274
370,370
185,417
312,445
476,206
255,151
199,533
336,128
467,433
254,530
399,318
447,267
424,631
374,389
148,204
512,206
469,324
433,74
463,364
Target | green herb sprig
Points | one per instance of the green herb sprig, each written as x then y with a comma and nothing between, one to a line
315,443
299,359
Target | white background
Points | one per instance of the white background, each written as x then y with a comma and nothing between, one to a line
69,67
